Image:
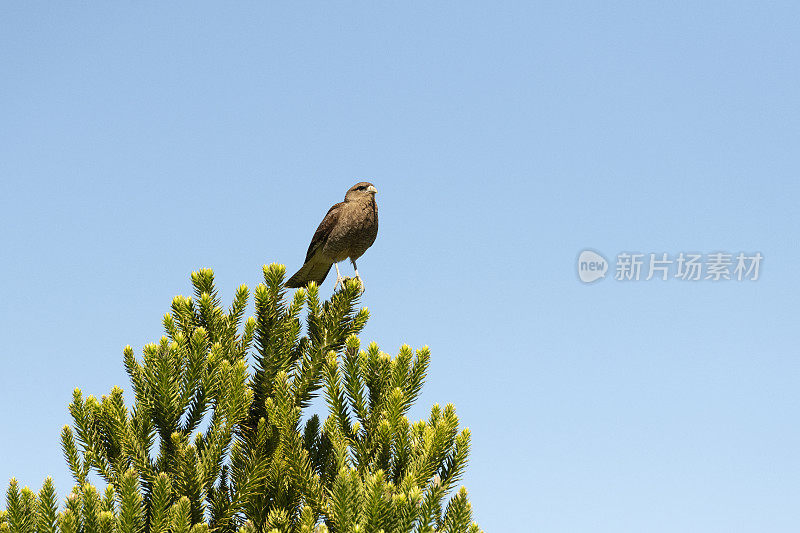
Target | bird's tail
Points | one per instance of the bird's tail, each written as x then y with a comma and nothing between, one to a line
311,271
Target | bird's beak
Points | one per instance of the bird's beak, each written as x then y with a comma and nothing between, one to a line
372,189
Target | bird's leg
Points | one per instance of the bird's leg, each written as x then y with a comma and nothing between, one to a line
338,277
355,267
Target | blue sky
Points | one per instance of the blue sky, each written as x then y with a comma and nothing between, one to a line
141,142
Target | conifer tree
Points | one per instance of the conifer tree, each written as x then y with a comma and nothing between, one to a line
210,442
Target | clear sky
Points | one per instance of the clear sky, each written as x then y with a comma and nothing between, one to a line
141,141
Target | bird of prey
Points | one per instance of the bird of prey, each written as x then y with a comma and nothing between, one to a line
349,228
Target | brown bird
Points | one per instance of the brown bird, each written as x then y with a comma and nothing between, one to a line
349,228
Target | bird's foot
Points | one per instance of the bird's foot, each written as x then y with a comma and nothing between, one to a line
345,279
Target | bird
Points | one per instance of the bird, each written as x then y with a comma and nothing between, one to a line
348,229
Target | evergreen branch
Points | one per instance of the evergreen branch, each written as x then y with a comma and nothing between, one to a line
238,306
335,397
107,504
160,503
47,508
181,516
454,465
416,377
184,315
76,466
139,440
134,370
344,500
307,378
91,509
376,508
21,508
458,516
131,518
354,386
68,522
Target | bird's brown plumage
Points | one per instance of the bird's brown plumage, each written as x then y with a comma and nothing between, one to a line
348,229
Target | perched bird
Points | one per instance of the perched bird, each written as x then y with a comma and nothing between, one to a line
349,228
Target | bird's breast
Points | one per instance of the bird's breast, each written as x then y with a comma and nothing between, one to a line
355,231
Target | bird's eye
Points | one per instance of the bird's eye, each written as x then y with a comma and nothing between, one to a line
362,188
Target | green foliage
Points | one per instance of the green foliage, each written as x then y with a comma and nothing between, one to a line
211,443
131,516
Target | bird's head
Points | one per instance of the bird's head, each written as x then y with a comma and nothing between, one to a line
360,190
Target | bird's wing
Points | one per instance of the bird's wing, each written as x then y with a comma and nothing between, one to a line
324,230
